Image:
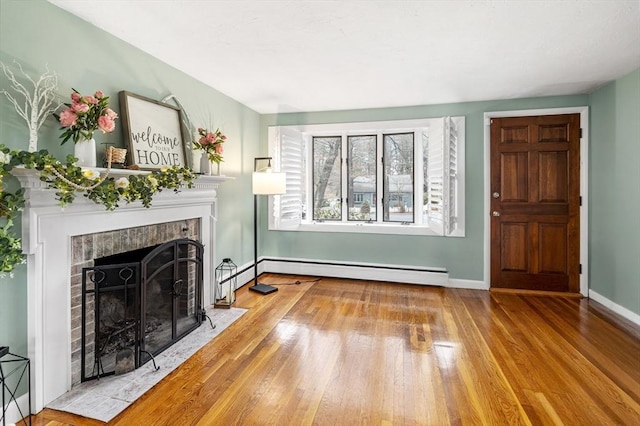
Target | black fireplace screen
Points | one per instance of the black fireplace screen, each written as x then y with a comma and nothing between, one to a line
137,304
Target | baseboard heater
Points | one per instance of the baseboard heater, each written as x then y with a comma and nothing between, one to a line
374,272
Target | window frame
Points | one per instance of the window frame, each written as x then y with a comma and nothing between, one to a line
437,130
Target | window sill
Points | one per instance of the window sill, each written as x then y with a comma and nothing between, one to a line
366,228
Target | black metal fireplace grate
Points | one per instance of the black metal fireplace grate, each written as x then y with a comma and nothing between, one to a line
137,304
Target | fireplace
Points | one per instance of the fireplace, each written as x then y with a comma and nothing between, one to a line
138,303
59,243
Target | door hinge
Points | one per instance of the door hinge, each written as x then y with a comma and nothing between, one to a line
580,132
581,200
581,268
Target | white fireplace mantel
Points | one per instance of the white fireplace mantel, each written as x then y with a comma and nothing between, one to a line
46,239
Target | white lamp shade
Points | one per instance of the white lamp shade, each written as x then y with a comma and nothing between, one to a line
269,183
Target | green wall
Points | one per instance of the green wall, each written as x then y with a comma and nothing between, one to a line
614,192
38,34
462,257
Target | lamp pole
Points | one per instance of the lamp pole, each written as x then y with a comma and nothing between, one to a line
255,239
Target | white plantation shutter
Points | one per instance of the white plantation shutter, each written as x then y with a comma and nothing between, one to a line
449,174
454,175
435,179
445,169
287,148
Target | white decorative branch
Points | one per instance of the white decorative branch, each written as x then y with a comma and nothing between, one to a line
37,104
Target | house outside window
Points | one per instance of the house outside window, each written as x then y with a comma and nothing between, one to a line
395,177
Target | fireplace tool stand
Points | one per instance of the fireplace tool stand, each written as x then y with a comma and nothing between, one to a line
203,315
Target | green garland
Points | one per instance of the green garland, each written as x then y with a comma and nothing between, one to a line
68,180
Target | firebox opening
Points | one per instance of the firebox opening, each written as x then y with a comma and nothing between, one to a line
126,257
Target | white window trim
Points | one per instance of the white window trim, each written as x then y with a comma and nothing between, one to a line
377,127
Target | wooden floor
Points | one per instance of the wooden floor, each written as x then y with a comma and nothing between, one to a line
342,352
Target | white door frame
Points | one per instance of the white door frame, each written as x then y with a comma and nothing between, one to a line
584,188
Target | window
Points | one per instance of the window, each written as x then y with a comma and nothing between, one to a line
398,188
327,179
362,175
395,177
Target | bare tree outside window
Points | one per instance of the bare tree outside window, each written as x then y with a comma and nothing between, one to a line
327,191
398,187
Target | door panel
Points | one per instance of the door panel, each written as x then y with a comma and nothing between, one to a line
514,247
535,186
514,185
553,235
553,177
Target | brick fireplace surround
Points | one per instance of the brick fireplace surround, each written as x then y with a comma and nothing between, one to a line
86,248
59,242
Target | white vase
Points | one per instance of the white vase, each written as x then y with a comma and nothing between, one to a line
205,164
195,160
85,151
208,167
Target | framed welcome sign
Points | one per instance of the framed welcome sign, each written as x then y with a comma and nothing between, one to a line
152,132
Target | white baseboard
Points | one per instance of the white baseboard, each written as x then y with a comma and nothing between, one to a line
468,284
248,273
620,310
13,415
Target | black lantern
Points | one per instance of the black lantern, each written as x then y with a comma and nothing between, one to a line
224,293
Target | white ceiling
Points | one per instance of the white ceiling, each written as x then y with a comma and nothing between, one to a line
313,55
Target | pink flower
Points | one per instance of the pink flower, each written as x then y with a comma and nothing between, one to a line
79,107
68,118
219,149
89,100
85,115
110,113
106,124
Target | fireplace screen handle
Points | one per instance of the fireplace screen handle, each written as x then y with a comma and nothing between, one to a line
177,288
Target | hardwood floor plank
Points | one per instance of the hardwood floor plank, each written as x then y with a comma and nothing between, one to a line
346,352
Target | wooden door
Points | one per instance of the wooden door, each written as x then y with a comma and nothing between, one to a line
535,203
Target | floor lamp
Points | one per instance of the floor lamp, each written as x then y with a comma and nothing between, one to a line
265,182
